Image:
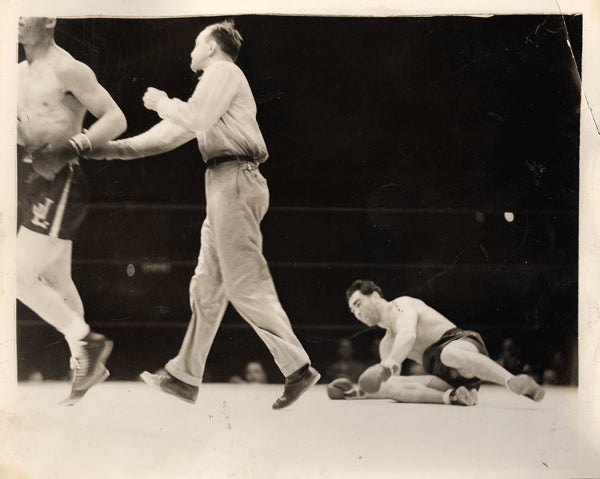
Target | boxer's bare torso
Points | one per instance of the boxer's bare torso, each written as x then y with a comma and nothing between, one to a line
430,325
51,91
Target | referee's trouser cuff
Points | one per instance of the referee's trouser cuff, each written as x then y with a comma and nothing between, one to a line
181,375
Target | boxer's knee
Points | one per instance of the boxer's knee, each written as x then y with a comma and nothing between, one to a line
57,278
27,284
27,271
454,357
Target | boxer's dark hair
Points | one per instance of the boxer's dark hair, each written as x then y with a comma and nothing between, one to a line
228,38
365,286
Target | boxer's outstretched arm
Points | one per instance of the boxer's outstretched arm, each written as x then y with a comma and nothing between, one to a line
405,334
405,318
162,137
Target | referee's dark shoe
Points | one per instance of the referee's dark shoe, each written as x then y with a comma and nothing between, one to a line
296,384
171,385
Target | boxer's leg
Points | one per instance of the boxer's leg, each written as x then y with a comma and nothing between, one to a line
35,254
58,277
408,389
417,389
464,356
41,255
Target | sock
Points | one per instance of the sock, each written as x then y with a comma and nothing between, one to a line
74,333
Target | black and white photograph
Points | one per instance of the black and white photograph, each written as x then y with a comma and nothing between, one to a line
246,241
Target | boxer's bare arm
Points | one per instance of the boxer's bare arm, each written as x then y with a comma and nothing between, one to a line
405,324
77,81
81,81
385,346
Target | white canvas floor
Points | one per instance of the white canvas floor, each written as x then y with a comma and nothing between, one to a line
127,430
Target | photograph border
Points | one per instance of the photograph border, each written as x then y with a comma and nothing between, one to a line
589,214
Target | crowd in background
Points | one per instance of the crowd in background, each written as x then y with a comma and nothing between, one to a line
557,369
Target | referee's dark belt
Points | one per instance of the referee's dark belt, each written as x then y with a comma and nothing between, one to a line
214,162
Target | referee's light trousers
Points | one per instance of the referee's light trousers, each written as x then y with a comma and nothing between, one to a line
231,267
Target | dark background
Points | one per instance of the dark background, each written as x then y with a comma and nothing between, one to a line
396,145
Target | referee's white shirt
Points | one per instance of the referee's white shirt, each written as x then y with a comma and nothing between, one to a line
221,112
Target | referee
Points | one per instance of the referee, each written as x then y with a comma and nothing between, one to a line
221,115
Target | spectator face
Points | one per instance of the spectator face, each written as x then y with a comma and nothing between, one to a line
509,346
550,377
255,373
557,360
345,349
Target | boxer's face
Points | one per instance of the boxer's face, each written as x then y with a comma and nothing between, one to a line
363,307
33,29
202,50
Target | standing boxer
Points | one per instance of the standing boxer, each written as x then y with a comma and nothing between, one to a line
221,115
54,93
418,332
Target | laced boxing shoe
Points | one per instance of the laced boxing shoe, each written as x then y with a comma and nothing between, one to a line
88,365
526,386
296,384
461,396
